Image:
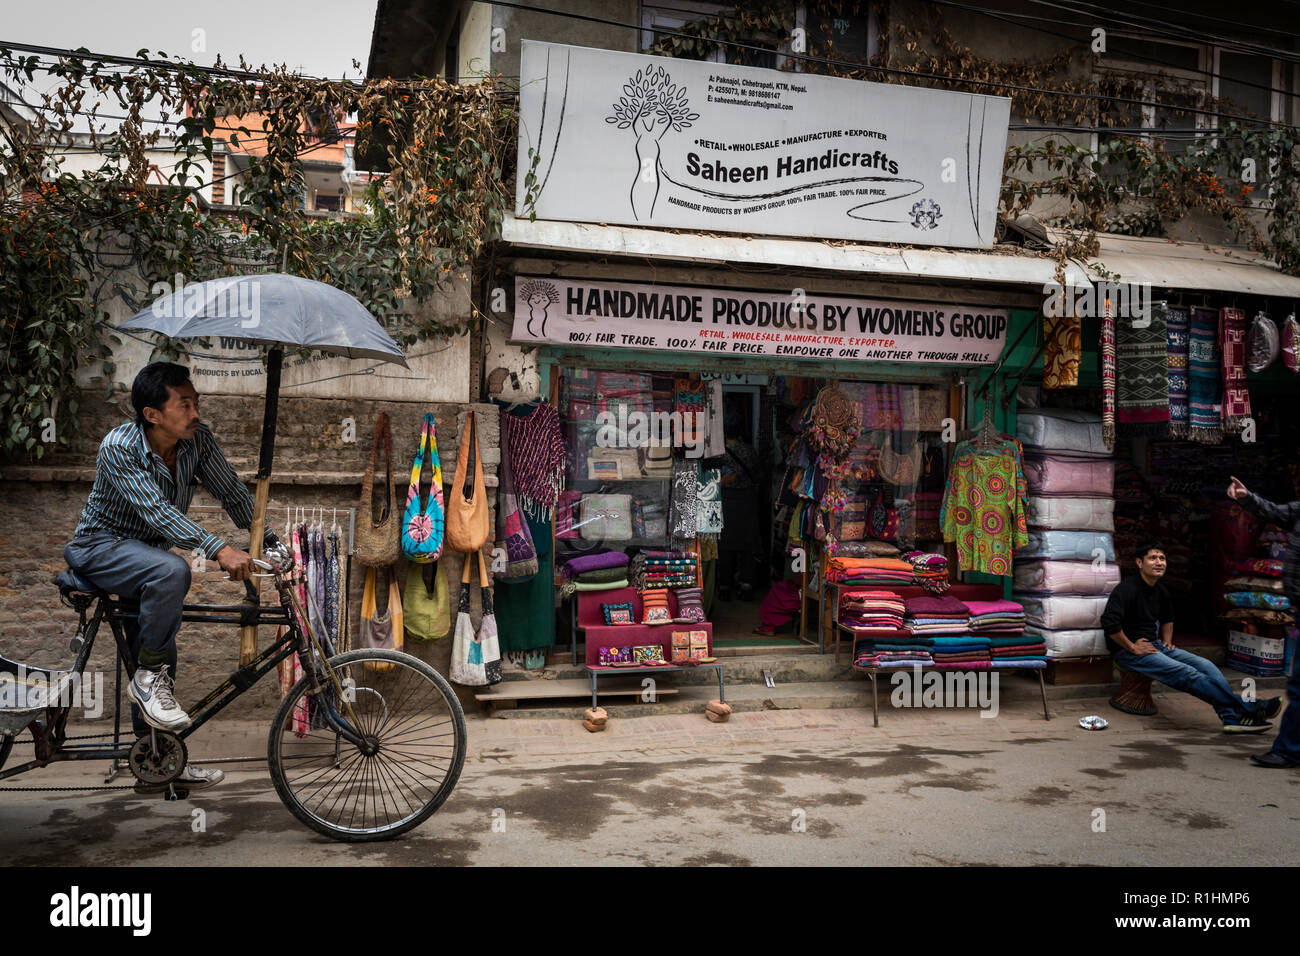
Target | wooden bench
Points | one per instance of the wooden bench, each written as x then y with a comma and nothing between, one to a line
1134,695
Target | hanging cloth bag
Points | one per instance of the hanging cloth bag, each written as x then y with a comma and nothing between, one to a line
513,535
488,639
422,523
467,513
380,631
426,602
466,650
378,541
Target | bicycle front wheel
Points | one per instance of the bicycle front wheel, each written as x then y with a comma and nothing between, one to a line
414,748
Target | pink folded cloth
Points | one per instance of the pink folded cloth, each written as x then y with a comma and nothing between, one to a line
977,608
927,606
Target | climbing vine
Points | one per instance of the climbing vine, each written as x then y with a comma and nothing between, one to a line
99,201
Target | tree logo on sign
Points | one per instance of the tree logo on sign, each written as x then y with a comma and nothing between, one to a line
539,296
651,105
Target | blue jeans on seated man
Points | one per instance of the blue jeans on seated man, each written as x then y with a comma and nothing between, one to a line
1182,670
158,579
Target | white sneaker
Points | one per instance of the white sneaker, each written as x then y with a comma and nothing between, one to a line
152,691
191,778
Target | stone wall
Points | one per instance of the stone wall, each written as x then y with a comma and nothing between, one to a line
314,467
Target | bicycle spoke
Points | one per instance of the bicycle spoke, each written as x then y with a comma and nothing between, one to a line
398,768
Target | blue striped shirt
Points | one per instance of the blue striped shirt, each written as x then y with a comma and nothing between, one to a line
136,496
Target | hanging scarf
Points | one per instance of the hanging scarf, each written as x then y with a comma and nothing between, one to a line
1236,397
1176,361
1108,376
537,458
1142,370
512,530
684,504
708,493
1203,377
1063,351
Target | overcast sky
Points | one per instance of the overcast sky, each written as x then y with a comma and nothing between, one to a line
316,37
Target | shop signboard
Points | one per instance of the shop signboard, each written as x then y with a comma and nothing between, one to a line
579,312
625,138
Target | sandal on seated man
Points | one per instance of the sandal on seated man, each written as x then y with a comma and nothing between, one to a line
145,476
1139,627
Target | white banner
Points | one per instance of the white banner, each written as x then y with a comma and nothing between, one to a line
732,322
629,138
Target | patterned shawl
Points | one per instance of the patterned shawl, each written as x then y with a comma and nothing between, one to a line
1062,352
684,503
708,494
1142,369
1236,397
1176,360
536,458
1203,377
1108,376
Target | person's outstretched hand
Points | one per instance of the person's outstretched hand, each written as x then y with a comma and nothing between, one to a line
1236,490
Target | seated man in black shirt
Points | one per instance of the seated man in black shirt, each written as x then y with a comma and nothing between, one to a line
1139,626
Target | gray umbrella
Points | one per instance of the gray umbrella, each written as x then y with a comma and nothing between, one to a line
279,311
274,310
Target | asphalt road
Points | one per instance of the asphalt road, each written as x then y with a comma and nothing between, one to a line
802,788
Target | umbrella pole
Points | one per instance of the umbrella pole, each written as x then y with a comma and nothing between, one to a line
256,531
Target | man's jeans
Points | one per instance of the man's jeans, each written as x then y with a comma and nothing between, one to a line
158,579
1181,670
1288,736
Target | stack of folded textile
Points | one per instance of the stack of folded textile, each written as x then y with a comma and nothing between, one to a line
1017,651
936,616
892,658
874,611
595,572
966,652
929,571
996,618
664,569
842,570
880,638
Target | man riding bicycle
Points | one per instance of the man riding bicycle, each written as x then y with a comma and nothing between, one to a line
146,472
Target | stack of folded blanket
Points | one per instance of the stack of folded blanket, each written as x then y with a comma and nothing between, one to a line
875,611
996,618
878,657
933,616
595,572
965,652
929,571
1017,651
664,569
894,571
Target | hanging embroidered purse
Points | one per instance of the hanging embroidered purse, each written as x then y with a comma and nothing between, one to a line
422,524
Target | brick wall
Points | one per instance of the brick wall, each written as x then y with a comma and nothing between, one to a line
314,467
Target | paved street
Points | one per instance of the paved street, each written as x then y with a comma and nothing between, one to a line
926,787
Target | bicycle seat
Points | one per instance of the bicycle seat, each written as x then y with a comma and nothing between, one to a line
68,581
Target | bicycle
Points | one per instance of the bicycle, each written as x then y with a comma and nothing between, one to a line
366,746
